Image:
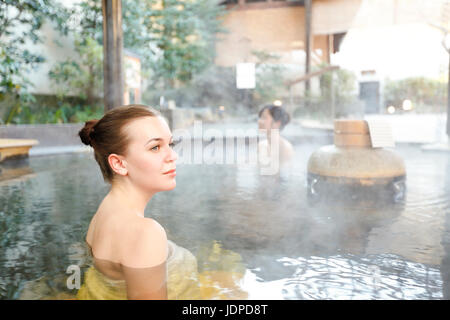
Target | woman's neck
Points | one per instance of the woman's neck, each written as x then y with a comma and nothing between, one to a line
273,134
126,196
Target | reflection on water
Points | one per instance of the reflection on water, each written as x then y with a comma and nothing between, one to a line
17,169
348,277
287,248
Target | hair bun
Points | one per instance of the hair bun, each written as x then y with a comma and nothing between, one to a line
286,118
86,132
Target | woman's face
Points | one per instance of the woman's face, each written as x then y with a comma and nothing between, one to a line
150,158
266,121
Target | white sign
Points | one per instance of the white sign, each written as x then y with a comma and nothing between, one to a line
381,134
245,76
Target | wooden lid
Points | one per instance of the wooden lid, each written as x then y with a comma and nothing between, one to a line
352,140
351,126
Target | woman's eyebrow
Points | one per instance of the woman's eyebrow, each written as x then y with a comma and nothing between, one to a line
152,139
157,139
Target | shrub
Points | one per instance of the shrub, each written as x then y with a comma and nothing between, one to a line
426,95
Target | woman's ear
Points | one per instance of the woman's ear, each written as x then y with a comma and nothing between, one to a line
118,164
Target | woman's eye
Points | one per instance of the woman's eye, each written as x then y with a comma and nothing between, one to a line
172,144
155,148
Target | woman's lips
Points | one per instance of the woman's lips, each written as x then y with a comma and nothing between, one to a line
171,172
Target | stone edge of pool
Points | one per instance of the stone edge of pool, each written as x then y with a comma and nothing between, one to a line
63,138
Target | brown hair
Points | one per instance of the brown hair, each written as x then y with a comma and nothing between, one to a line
106,135
278,114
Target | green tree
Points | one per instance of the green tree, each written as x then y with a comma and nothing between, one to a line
426,94
175,38
20,25
88,19
83,78
269,78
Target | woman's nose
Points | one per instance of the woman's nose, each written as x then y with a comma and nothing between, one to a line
173,156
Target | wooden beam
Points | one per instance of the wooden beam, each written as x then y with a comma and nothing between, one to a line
112,54
242,5
311,75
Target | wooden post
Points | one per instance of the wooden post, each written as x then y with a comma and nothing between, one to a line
332,87
112,54
332,97
330,47
308,18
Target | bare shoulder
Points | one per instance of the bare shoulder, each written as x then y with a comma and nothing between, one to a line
91,229
152,230
288,146
287,150
146,245
262,146
262,143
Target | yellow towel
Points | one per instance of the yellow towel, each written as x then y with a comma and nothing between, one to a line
219,280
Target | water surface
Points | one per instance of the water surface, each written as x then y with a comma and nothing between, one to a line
289,248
